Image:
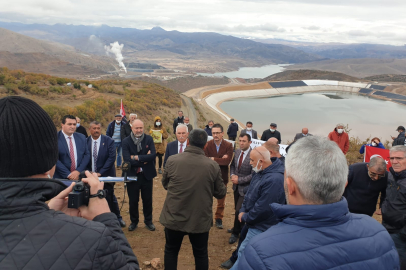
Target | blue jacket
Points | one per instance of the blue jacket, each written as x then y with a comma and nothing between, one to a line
171,149
208,130
362,149
63,164
266,187
110,130
321,237
105,158
232,129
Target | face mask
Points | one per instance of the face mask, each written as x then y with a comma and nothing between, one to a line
186,124
249,129
272,130
210,127
78,125
340,130
118,122
49,176
373,144
158,123
304,135
255,169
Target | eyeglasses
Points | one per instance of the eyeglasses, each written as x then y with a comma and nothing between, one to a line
216,133
396,158
372,174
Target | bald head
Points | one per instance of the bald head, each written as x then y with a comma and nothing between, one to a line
137,127
305,131
273,147
260,158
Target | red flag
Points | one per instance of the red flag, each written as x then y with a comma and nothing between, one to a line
122,112
371,152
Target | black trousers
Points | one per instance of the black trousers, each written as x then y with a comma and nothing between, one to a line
232,138
238,200
159,159
133,190
173,243
243,234
112,200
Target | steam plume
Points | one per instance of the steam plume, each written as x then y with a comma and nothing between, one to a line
115,49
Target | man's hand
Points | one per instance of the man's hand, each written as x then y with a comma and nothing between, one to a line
378,212
74,175
96,206
234,179
393,137
225,156
99,174
240,216
60,203
212,158
134,157
149,152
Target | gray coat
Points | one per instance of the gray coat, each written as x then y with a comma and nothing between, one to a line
254,133
300,135
192,180
244,173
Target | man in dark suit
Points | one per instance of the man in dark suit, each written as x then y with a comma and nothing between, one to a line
305,133
271,133
180,144
248,130
79,128
74,155
221,152
103,156
139,150
126,129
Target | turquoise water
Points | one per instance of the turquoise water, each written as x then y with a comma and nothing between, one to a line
320,113
250,72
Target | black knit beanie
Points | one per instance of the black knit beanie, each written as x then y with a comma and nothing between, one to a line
28,138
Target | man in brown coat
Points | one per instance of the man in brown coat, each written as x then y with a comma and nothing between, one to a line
191,180
221,152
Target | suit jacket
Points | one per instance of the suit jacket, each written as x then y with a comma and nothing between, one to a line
226,148
244,173
105,158
63,164
300,135
145,161
254,133
171,149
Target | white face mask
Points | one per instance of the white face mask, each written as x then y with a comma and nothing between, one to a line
249,129
272,130
186,124
255,169
373,144
158,124
340,130
210,127
118,122
304,135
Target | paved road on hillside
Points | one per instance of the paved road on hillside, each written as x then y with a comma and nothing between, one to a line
189,110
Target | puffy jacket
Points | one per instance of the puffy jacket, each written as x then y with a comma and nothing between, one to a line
34,237
232,130
341,140
362,149
321,237
208,130
266,187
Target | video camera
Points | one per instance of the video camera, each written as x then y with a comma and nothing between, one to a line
80,193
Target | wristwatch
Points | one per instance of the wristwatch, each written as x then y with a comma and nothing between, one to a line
101,194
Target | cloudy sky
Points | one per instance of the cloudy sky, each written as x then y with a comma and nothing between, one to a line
347,21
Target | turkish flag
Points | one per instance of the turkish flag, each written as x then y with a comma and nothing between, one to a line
122,112
371,152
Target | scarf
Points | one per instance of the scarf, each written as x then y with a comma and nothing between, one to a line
137,141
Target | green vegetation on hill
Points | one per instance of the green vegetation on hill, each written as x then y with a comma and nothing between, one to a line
387,78
308,74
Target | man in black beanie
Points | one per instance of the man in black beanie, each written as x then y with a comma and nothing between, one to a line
35,235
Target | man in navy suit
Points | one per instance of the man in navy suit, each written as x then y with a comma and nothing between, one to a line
175,147
74,155
139,150
103,156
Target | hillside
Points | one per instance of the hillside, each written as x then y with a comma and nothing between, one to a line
306,74
387,78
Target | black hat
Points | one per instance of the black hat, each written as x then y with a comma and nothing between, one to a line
232,119
118,115
400,127
274,125
28,138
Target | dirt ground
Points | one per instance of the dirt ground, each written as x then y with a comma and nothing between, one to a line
148,245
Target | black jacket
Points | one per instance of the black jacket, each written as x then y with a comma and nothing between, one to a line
362,192
82,130
177,122
125,131
34,237
232,130
400,140
268,134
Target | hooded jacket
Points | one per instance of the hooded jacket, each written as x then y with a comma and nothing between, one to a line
160,147
32,236
232,130
320,237
341,140
266,187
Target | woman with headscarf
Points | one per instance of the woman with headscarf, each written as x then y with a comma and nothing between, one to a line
375,142
159,134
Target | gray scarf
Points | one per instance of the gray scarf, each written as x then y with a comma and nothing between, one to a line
137,141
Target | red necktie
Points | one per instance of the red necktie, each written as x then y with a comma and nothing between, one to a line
72,155
181,148
240,161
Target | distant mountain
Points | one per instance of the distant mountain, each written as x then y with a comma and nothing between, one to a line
343,51
180,45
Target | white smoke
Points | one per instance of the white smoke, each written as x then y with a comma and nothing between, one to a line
115,49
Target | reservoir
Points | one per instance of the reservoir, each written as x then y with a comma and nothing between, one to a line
319,112
250,72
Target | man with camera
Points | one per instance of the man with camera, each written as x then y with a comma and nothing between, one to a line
35,235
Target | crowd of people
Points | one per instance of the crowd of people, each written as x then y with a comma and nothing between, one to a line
308,210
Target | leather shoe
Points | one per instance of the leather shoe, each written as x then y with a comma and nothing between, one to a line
132,227
230,230
227,264
219,223
233,239
122,223
150,227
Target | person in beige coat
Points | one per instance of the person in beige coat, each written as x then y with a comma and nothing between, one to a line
159,134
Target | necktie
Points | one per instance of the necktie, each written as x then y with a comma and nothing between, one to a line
240,161
95,156
72,155
181,148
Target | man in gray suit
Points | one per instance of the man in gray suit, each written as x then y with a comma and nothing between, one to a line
305,133
241,174
248,130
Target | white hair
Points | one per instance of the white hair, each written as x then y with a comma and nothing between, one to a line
319,168
182,126
340,125
398,148
134,114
